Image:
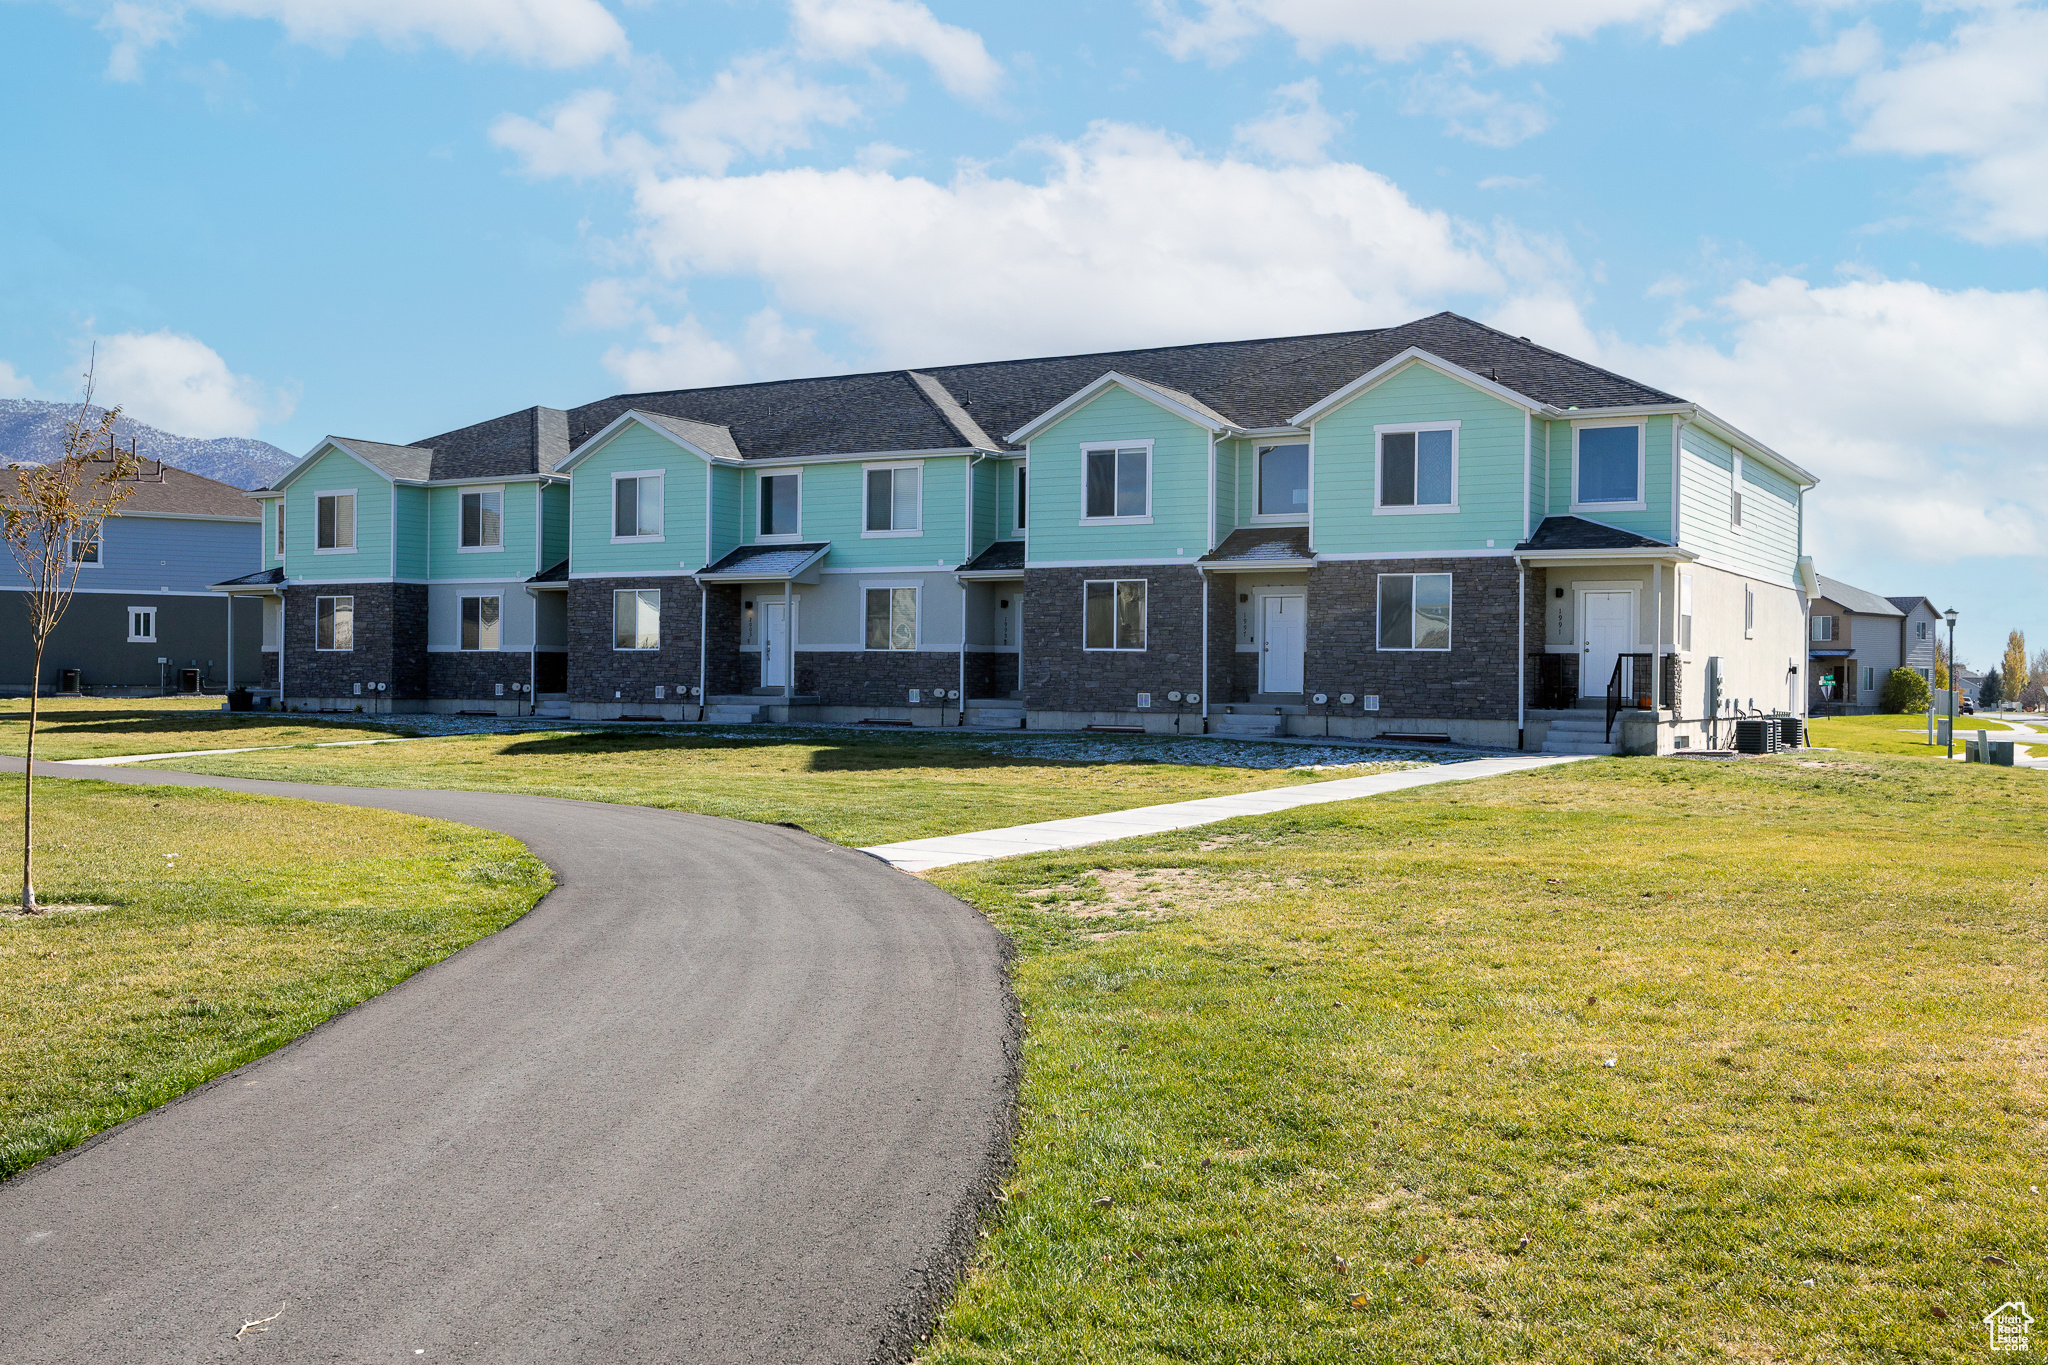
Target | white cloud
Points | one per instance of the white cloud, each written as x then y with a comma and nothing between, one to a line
1508,31
14,384
1911,403
852,30
1981,100
1295,126
556,33
1853,51
1130,238
686,355
1482,116
1511,182
180,384
572,143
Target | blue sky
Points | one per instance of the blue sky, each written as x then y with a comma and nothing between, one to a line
386,218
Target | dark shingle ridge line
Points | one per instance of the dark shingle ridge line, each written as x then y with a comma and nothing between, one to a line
1568,359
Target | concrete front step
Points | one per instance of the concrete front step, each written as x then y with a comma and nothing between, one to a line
733,715
1579,735
1252,727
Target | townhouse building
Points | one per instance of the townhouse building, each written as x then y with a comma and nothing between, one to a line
1435,529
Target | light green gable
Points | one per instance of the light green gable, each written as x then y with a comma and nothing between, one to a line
1767,544
1489,468
1006,496
412,508
1180,485
728,486
832,510
272,510
516,554
337,471
631,449
1655,518
555,502
989,476
1230,459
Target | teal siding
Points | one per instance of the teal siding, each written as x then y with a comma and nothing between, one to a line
727,484
273,508
1767,545
833,510
988,500
555,513
1489,491
1237,497
1180,475
1654,520
450,560
682,510
1006,497
337,471
412,506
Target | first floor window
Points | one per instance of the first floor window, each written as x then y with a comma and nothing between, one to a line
336,522
1869,678
893,498
1418,468
141,625
1748,612
334,623
636,618
1685,612
483,515
636,506
480,622
1415,611
892,618
85,550
1119,482
780,494
1610,464
1113,614
1283,480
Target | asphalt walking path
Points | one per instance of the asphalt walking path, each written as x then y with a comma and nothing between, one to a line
920,855
728,1093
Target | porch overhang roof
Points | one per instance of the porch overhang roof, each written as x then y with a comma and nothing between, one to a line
1261,549
1002,560
1830,653
1656,554
768,564
267,583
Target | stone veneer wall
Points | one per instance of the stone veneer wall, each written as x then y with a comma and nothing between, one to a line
1061,676
390,643
875,677
728,672
475,674
1473,680
990,677
597,671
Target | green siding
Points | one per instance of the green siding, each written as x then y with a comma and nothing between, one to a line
412,506
337,471
1489,491
1180,474
516,535
272,509
1654,520
682,506
555,512
1767,546
1006,497
727,484
988,502
832,510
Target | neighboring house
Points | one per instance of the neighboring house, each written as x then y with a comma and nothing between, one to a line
1856,638
1432,529
143,616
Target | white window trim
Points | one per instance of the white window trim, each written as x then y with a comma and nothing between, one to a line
465,491
1813,627
865,533
1735,492
319,648
1748,611
618,648
99,559
460,598
1429,509
611,511
916,613
1019,486
1449,644
1145,617
354,521
1641,504
1302,518
135,639
1145,520
277,536
789,537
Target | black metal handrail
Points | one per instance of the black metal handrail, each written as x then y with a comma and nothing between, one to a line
1635,688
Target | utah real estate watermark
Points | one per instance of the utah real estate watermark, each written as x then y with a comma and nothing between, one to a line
2008,1324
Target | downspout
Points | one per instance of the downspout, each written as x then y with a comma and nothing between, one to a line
533,651
231,640
1205,646
703,639
788,646
1521,653
283,638
960,717
1528,451
1656,637
1677,432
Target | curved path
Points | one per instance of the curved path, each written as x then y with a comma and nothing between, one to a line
729,1093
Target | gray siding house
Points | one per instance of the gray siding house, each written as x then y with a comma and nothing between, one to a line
1857,638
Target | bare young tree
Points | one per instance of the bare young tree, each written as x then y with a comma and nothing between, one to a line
50,516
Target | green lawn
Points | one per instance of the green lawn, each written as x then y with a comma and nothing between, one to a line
93,727
852,787
271,916
1899,734
1298,1087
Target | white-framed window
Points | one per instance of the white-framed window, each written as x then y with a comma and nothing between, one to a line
1735,492
480,621
1869,678
1748,612
334,623
483,519
891,616
779,513
1919,630
142,625
277,511
1415,611
1685,613
1823,629
334,523
85,549
636,505
1116,482
1283,481
894,499
1418,468
1023,501
1607,466
1113,614
636,618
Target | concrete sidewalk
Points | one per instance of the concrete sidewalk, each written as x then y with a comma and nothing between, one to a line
920,855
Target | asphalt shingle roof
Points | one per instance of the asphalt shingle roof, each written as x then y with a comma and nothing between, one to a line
530,441
1855,599
997,558
558,574
157,487
772,560
1274,544
261,578
1576,533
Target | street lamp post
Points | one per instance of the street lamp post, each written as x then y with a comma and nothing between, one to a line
1950,617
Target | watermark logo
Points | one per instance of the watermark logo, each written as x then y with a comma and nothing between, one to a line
2008,1324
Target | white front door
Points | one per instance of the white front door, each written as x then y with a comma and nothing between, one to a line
1607,629
1284,635
774,645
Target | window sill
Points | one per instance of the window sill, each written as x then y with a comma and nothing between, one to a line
479,549
790,539
889,535
336,550
635,649
331,649
1391,649
1110,649
1280,519
1429,509
480,649
142,639
1145,520
1637,506
870,649
638,540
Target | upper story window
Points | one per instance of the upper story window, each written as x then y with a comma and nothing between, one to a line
1283,480
277,511
1118,482
1685,612
1023,478
1823,628
1418,468
334,525
1735,492
1919,630
781,506
483,519
1607,467
895,500
85,550
636,506
1415,611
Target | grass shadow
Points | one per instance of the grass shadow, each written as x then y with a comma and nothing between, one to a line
880,753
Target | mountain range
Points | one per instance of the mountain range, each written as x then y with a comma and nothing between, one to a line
34,431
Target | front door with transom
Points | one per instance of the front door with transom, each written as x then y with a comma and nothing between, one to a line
1283,636
774,645
1607,630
